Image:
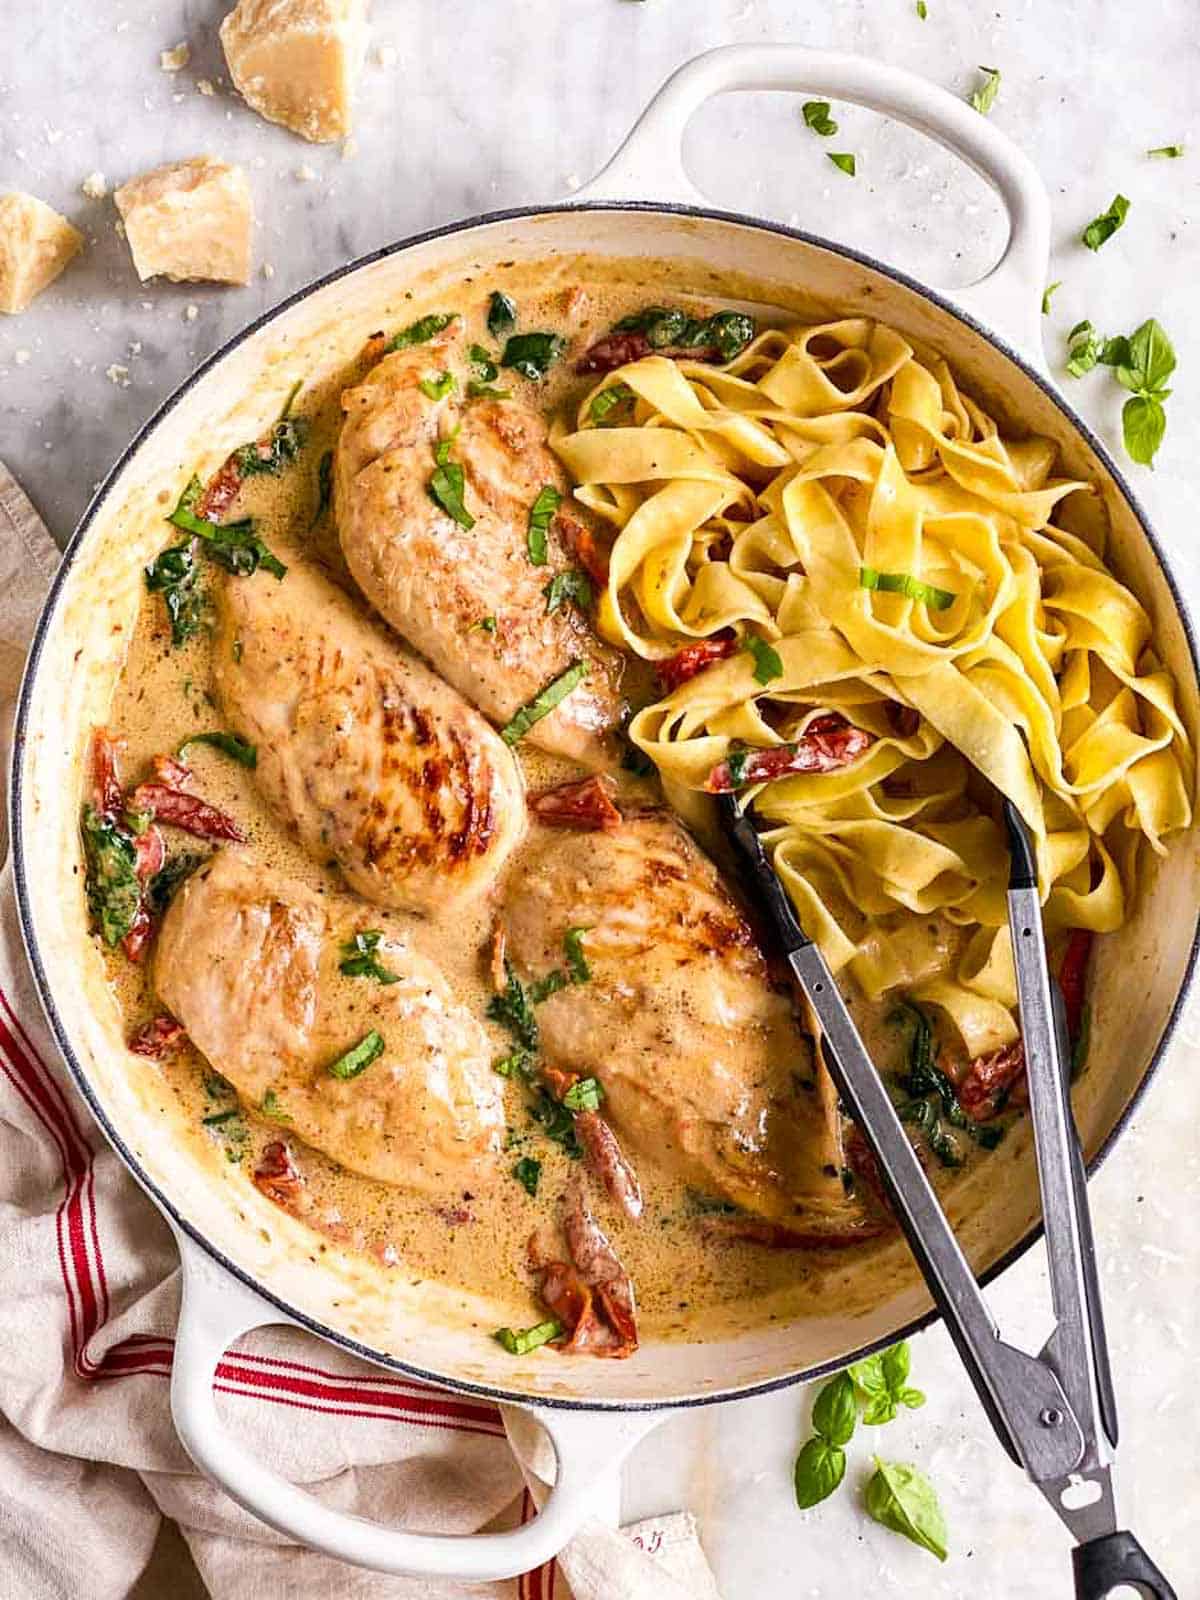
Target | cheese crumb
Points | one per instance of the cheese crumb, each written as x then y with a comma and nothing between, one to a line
35,245
191,311
189,220
95,186
268,271
387,55
21,357
206,86
118,375
296,62
178,56
306,174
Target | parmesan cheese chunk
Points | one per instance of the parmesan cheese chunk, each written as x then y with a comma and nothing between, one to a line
189,220
35,245
297,61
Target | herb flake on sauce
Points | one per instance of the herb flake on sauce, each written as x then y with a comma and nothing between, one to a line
359,1057
544,703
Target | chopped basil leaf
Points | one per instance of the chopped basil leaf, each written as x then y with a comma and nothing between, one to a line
481,358
571,585
421,331
519,1342
478,391
844,162
232,545
1168,152
1079,1053
1083,349
585,1095
514,1010
573,951
731,331
904,583
737,763
542,988
818,119
518,1064
357,1059
540,514
922,10
113,890
816,116
1046,294
438,388
174,574
820,1468
502,314
448,485
984,98
360,961
606,402
217,1118
532,354
767,664
284,443
324,485
727,332
544,703
556,1122
230,744
528,1173
160,890
484,625
1103,227
903,1499
272,1107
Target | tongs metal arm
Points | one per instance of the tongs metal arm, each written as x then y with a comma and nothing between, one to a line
1022,1396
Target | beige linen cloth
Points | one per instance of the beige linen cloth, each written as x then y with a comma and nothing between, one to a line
89,1461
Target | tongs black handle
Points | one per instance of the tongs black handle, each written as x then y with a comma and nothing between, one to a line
1103,1564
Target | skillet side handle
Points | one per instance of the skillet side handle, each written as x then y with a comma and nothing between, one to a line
649,165
217,1309
1117,1561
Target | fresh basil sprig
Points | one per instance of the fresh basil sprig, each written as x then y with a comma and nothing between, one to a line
1141,363
900,1497
821,1464
881,1384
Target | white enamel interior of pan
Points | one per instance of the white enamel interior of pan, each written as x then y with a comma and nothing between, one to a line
440,1332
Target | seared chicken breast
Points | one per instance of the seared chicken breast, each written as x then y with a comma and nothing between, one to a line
377,763
248,962
469,599
703,1066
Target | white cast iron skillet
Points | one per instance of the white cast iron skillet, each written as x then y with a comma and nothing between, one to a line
246,1264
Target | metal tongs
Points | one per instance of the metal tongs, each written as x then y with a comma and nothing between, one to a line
1055,1413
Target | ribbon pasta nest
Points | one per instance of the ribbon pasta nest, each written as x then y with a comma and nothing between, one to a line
833,493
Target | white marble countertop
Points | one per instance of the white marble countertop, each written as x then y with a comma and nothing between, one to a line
477,107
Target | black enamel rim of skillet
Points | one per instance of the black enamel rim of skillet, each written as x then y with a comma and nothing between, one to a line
45,621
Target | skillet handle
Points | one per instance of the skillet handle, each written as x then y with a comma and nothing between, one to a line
217,1309
649,165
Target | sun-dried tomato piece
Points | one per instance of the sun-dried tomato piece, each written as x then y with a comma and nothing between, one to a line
693,658
591,1295
158,1037
107,795
151,852
990,1080
585,805
220,491
603,1157
580,542
828,743
186,811
278,1176
613,351
1072,978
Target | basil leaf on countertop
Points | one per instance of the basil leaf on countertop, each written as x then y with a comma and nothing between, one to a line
984,98
901,1497
835,1410
816,116
820,1467
1101,228
844,162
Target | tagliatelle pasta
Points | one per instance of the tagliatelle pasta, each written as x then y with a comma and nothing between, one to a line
999,655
